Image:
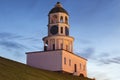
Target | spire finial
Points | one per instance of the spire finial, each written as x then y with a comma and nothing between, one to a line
58,4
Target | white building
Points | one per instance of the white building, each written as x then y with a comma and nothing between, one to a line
58,47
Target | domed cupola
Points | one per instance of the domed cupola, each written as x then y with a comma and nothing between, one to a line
58,30
58,8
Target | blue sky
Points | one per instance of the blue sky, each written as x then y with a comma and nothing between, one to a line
95,25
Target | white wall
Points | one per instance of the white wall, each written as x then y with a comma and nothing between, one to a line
54,61
74,60
51,60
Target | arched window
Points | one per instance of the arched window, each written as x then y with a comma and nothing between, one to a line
55,18
67,47
70,47
61,30
84,67
80,66
64,60
69,62
66,31
46,43
75,67
52,21
66,20
53,46
61,19
61,45
45,46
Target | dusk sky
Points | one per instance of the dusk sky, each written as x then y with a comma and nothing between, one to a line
95,25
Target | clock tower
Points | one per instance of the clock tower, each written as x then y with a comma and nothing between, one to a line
58,30
58,52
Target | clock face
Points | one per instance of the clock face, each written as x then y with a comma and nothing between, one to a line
54,30
66,31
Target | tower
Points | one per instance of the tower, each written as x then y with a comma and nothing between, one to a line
58,30
58,47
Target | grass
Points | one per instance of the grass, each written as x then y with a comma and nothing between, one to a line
12,70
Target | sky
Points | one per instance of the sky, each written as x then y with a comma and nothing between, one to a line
95,25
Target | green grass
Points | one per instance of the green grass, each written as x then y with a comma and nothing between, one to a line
12,70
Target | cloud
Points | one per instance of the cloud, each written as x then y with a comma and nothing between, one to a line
13,42
102,58
83,41
14,46
110,60
5,35
31,39
11,36
11,45
98,75
107,58
8,41
87,53
104,55
12,49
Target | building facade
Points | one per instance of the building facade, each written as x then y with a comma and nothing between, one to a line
58,47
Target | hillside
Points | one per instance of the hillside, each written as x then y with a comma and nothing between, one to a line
11,70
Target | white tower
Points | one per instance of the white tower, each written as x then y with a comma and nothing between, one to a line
58,30
58,47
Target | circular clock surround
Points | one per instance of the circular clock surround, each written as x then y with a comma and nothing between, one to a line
66,31
54,30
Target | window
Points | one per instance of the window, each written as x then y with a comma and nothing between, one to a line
66,20
55,18
52,21
84,67
64,60
46,43
61,46
75,67
45,46
70,47
61,29
67,31
61,19
80,65
53,46
69,62
67,47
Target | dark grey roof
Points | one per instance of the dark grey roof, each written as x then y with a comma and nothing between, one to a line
58,8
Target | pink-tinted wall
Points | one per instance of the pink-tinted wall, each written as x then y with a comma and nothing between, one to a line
45,60
74,60
54,61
